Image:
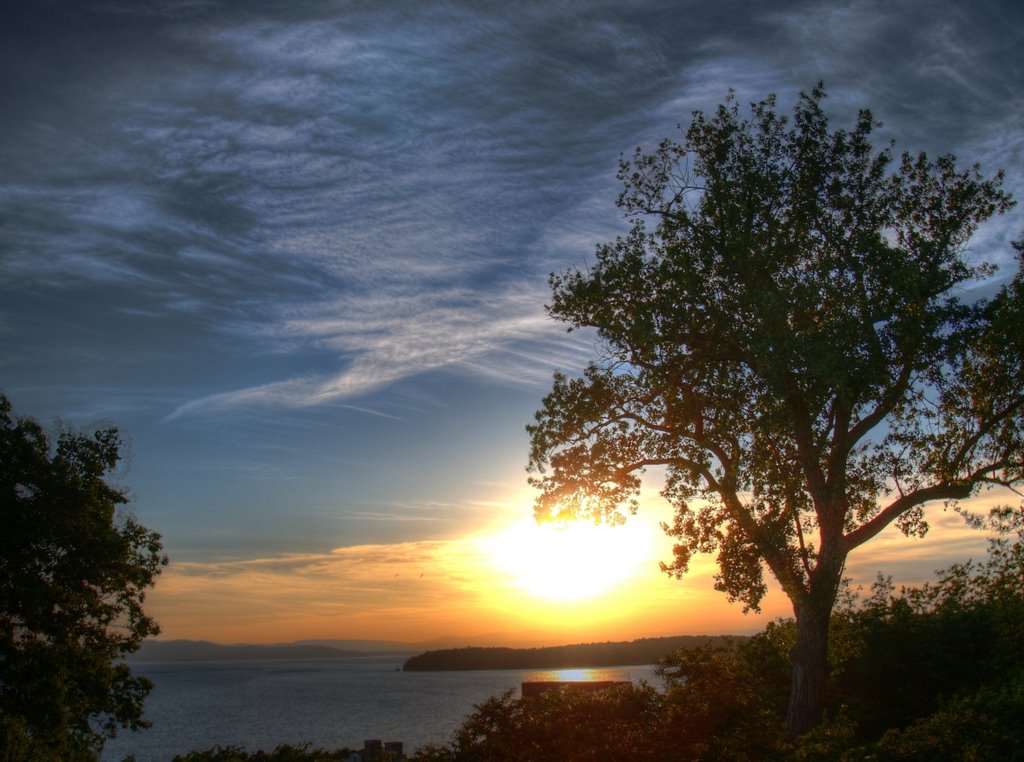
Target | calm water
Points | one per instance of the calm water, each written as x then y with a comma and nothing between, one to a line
332,703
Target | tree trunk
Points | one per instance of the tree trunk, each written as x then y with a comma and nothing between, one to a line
810,668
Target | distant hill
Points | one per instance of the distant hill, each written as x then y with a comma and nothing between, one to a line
371,646
643,651
201,650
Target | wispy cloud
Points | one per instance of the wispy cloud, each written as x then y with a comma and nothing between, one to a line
503,335
291,198
370,590
388,186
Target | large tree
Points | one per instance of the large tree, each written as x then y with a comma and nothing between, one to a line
789,332
74,569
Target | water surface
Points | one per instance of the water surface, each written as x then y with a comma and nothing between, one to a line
332,703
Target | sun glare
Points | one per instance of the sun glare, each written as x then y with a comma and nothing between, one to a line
575,561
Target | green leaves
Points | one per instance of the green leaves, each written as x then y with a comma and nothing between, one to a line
783,332
788,342
73,573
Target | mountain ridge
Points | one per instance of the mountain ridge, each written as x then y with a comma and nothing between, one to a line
204,650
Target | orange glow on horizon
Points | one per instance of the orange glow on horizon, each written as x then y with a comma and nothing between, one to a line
514,583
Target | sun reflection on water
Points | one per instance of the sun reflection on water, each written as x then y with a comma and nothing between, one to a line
585,675
575,675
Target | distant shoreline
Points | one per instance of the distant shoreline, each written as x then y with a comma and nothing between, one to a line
578,656
575,656
201,650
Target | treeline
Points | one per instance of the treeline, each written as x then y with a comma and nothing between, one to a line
624,653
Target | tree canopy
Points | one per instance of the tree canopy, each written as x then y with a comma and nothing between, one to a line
74,570
788,331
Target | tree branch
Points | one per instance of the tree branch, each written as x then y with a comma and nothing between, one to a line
986,427
882,409
803,435
804,558
867,530
647,462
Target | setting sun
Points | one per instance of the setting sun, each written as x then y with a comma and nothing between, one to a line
569,562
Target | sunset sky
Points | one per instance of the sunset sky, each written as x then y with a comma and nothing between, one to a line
298,253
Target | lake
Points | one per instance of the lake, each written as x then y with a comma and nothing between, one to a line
332,703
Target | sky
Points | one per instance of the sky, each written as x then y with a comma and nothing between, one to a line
298,253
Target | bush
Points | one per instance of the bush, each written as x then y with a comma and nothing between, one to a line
621,722
283,753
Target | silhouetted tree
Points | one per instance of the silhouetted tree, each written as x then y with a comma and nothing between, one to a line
74,569
789,342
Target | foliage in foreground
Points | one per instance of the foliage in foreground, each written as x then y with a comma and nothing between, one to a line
283,753
74,570
934,673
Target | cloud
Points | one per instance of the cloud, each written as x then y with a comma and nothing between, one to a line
289,195
372,590
501,335
389,187
244,219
